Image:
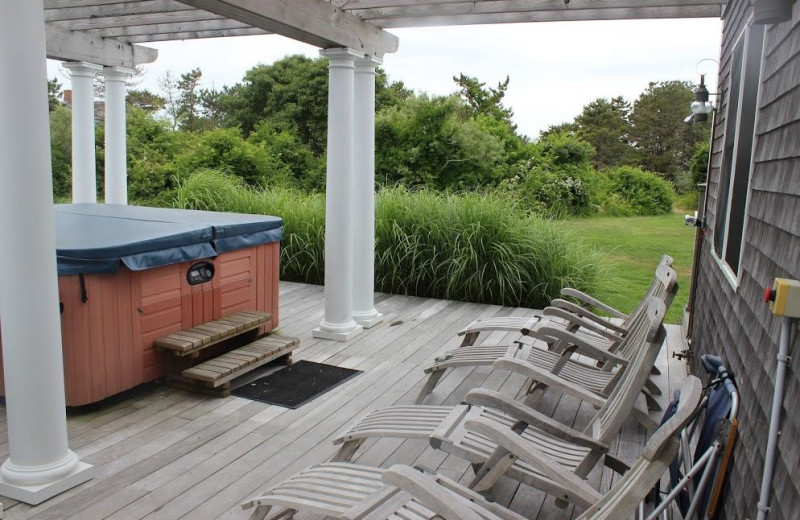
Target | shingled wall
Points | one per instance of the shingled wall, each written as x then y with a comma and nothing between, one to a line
732,321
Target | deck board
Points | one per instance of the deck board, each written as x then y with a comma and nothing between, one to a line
162,453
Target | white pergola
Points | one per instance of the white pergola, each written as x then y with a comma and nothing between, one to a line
104,37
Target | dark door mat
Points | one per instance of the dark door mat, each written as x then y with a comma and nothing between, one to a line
297,384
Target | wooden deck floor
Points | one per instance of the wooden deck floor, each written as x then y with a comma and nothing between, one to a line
166,454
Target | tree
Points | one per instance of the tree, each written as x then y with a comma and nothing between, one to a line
664,142
211,108
292,95
570,128
188,87
169,87
54,94
604,124
389,93
146,100
99,83
482,100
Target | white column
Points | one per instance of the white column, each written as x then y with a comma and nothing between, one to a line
364,312
338,323
84,182
116,174
40,463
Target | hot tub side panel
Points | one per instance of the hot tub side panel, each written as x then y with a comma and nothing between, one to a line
243,279
269,263
248,279
108,338
100,356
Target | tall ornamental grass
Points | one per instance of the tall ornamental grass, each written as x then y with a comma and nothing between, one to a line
467,247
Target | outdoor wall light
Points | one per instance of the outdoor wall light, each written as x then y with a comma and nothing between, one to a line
700,107
767,12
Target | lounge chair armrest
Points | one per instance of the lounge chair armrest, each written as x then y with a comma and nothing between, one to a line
520,366
587,315
526,414
593,302
424,488
583,322
583,346
575,489
431,489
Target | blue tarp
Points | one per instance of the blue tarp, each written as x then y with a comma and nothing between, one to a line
97,238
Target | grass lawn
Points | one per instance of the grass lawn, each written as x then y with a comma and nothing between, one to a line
634,246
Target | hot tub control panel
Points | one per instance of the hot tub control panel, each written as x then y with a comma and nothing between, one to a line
200,272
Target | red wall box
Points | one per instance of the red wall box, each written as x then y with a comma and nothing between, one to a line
110,320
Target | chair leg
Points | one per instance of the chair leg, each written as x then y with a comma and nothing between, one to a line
652,404
615,464
469,339
491,471
261,512
652,387
348,449
286,514
432,381
642,418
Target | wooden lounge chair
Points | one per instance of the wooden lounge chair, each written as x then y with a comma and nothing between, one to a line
355,492
526,326
458,429
560,332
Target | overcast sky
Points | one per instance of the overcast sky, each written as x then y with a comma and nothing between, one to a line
555,68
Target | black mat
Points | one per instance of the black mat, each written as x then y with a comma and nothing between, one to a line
297,384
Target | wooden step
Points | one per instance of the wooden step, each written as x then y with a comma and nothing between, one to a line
191,341
228,366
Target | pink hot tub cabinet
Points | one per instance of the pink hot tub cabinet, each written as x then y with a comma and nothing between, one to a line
129,275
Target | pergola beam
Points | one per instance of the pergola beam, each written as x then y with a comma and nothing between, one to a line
315,22
68,45
125,32
196,35
108,22
540,5
702,11
58,13
369,10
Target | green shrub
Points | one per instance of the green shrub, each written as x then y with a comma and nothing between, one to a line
226,150
564,148
471,247
434,143
306,169
689,201
61,150
699,165
152,145
558,179
637,191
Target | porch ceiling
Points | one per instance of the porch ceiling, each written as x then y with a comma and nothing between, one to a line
108,31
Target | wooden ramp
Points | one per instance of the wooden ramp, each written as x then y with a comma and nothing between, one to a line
163,453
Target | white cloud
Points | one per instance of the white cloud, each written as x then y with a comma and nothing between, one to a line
555,68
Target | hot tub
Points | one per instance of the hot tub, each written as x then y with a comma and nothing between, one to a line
129,275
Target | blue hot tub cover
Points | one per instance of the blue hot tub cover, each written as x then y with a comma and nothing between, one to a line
96,238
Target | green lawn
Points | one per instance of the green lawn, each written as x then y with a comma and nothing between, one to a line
634,245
